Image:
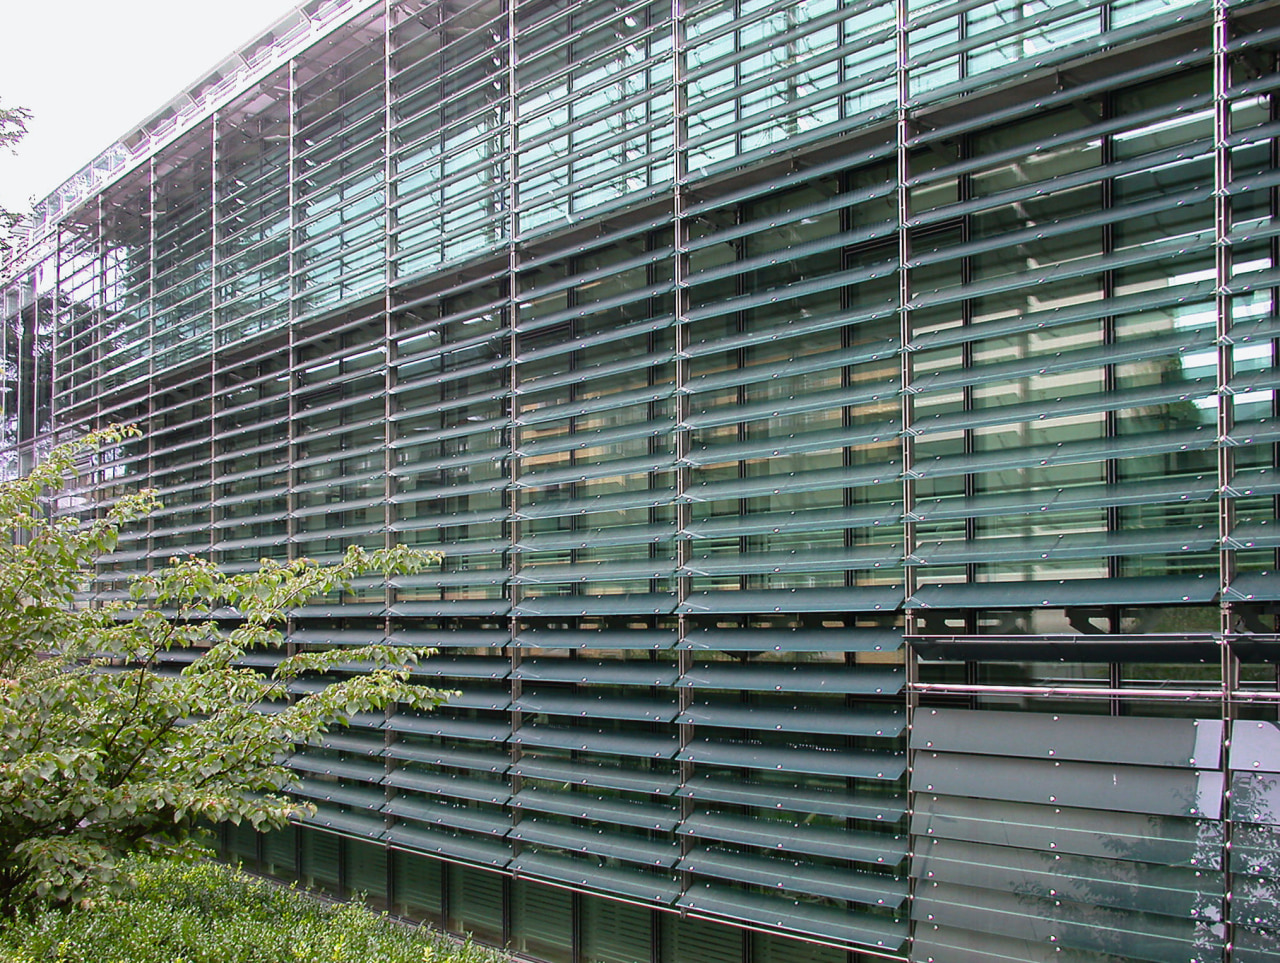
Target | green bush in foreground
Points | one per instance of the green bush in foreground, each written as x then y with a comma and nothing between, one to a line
208,913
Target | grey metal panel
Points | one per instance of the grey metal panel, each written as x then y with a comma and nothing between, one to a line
1133,789
1180,743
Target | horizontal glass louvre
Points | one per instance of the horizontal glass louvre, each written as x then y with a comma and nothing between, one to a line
854,680
585,705
781,874
798,797
546,638
607,878
768,377
597,808
832,720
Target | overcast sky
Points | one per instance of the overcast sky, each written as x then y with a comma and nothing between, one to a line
90,70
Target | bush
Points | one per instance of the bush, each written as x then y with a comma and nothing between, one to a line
209,913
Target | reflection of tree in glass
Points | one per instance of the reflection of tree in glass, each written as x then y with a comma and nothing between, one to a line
1159,897
1255,859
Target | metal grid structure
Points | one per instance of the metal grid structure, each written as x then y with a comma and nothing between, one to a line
850,428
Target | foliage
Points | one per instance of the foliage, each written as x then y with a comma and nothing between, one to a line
104,746
13,127
208,913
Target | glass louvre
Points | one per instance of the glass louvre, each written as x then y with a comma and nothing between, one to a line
736,356
1153,882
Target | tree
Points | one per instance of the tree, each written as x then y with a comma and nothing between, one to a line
13,127
104,748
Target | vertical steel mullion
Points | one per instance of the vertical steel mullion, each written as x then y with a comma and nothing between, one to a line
290,360
513,380
215,156
680,329
1222,269
902,131
214,159
388,383
291,474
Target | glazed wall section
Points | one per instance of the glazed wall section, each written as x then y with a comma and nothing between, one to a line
768,374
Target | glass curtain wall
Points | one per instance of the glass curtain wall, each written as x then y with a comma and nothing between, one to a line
827,412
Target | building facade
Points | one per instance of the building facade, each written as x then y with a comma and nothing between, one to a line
850,427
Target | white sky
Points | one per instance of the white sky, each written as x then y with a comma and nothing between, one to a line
89,70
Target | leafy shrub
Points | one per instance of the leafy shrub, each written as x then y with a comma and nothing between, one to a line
209,913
